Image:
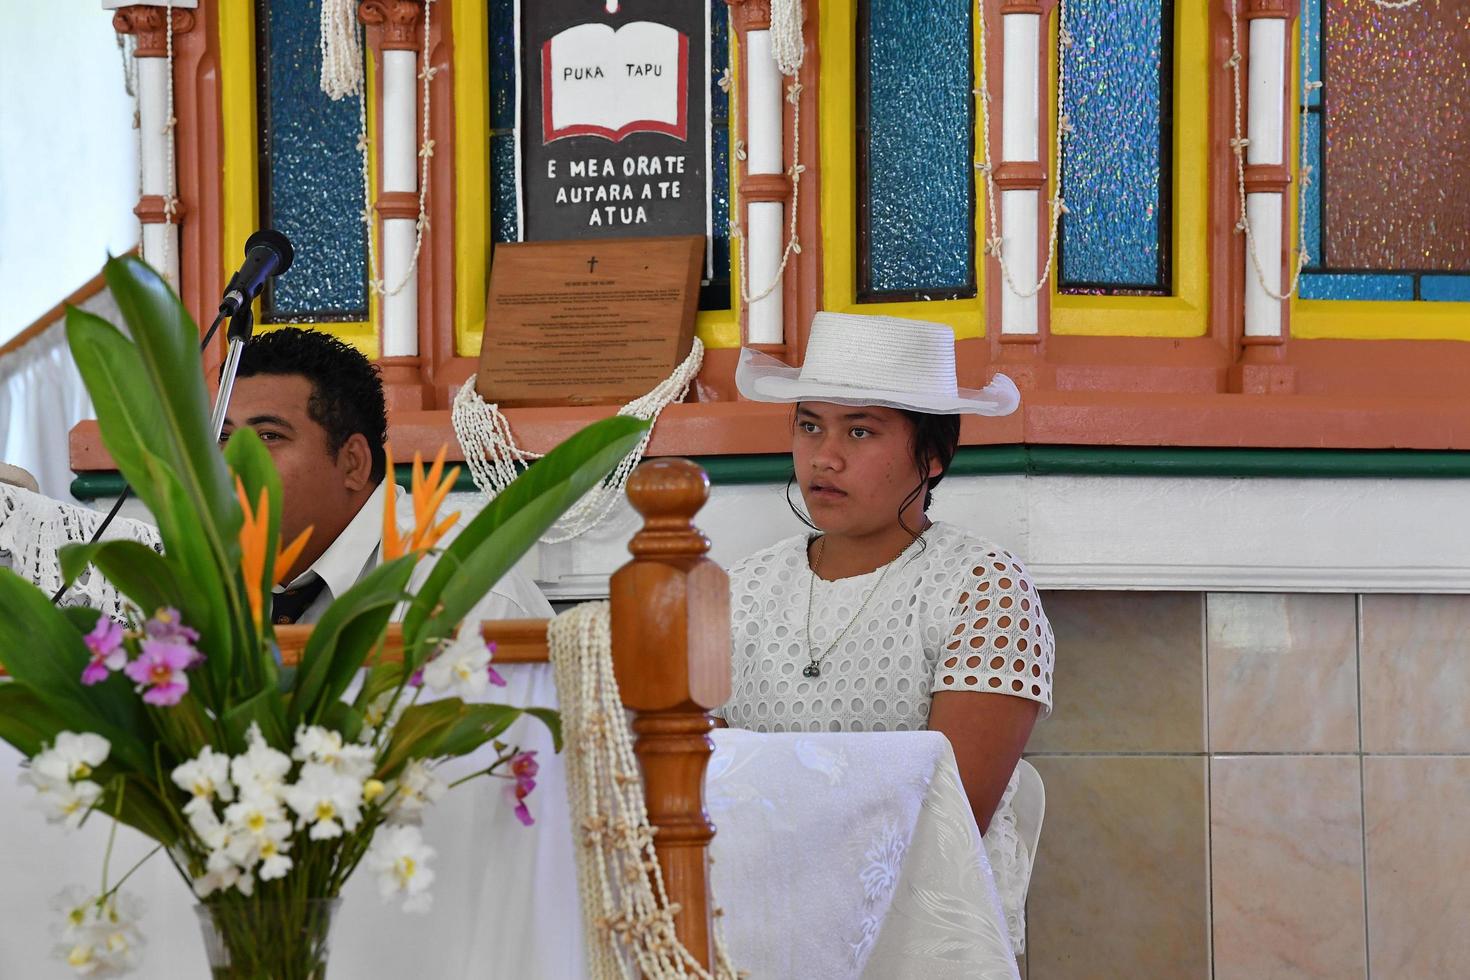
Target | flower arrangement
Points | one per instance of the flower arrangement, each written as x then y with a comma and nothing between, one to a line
266,786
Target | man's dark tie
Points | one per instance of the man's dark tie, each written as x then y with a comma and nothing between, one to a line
287,606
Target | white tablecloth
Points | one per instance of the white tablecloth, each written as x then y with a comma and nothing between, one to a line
837,855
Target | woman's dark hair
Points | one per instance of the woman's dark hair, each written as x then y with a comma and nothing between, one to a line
935,439
346,392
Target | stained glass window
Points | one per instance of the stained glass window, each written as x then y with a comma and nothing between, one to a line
310,171
1387,213
1116,177
915,149
504,205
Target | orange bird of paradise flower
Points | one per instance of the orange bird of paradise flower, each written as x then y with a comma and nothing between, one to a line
428,493
253,537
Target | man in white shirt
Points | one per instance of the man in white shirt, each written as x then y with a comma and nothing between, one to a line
317,404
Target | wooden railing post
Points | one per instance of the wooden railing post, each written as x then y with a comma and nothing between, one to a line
671,655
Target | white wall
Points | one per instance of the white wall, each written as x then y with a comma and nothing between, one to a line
68,158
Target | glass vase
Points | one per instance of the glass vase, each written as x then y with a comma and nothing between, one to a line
275,939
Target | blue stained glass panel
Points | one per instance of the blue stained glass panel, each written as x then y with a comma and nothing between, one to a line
1341,285
505,207
311,175
502,65
1114,179
1311,204
1445,289
1312,25
916,212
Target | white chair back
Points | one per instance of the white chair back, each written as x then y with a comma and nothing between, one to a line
1029,805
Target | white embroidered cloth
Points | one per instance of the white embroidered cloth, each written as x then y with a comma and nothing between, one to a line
34,527
847,855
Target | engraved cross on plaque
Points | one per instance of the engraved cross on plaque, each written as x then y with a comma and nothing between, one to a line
592,264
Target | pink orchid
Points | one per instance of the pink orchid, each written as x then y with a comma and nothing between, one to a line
166,625
523,767
160,668
495,677
106,643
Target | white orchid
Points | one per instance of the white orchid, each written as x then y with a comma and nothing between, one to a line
417,789
326,800
261,770
378,714
73,757
62,802
205,778
259,832
99,938
460,668
325,747
399,857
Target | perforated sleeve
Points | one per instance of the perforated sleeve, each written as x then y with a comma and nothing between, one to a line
999,641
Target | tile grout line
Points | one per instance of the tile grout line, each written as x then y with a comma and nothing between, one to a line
1362,784
1204,646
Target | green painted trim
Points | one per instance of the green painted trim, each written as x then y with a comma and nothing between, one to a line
1055,461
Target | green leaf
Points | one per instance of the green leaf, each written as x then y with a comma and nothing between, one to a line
552,720
266,709
26,720
167,340
381,678
251,462
502,533
478,724
84,618
343,718
348,631
41,649
139,572
418,733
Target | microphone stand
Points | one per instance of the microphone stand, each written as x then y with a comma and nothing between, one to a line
246,321
242,324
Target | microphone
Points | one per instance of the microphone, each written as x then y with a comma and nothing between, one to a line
267,253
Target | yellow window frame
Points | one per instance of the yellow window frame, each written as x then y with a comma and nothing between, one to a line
240,180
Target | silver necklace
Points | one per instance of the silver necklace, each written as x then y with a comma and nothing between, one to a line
814,668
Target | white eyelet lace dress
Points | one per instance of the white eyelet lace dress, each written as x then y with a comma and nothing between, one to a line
955,613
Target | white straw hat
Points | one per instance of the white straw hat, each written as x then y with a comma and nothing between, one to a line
854,359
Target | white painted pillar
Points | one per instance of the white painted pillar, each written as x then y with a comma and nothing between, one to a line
1020,142
155,139
399,165
765,222
1266,94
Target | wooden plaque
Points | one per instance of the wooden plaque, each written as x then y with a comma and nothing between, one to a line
588,322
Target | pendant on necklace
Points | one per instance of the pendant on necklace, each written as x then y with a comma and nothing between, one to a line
812,669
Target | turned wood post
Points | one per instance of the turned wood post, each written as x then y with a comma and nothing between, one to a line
671,655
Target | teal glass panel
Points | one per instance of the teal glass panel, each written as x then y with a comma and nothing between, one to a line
1445,289
1116,178
1338,285
310,172
915,149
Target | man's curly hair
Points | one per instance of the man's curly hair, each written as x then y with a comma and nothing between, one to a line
346,392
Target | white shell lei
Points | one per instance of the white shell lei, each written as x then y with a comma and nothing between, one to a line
495,460
629,926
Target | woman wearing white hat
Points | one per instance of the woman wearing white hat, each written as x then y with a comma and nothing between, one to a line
884,620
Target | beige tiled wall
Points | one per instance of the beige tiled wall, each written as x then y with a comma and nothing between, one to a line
1252,786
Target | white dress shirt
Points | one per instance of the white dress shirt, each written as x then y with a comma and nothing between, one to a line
358,550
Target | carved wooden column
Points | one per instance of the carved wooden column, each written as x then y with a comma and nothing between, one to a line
159,208
671,655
